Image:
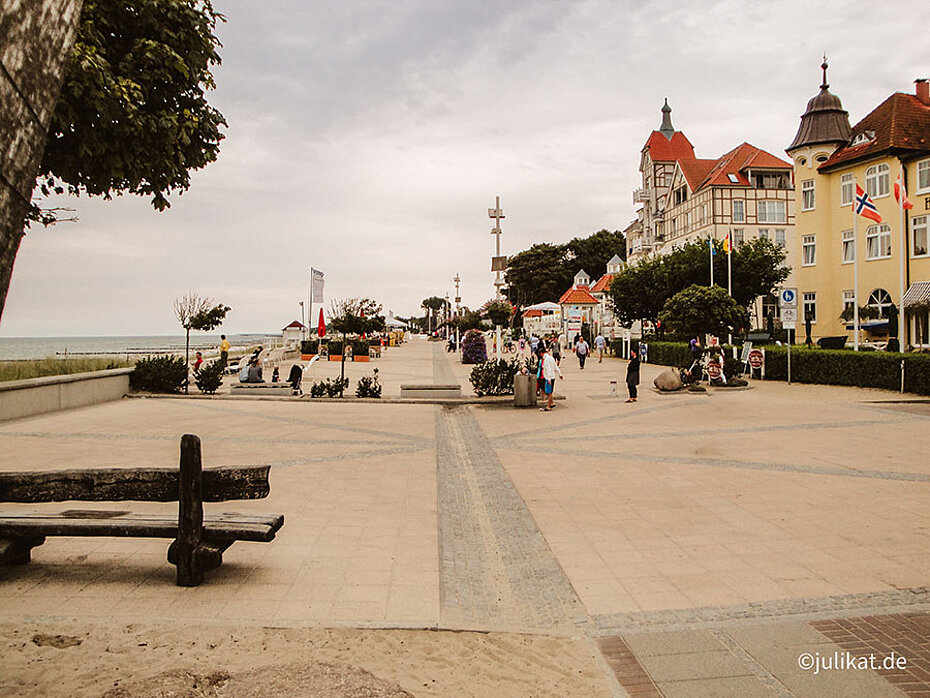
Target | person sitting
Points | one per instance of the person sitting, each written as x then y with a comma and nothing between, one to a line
251,373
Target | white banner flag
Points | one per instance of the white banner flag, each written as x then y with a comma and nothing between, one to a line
316,286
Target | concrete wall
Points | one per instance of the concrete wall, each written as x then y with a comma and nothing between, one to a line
52,393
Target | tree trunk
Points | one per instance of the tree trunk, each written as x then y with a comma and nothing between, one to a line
35,44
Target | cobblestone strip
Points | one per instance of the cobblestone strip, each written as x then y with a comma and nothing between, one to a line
626,667
760,672
497,570
896,601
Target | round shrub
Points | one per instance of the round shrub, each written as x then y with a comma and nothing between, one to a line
159,374
474,349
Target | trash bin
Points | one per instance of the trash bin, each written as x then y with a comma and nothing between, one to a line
613,388
524,390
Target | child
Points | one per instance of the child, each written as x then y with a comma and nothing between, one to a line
274,375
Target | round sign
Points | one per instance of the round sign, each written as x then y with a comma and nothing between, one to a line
756,358
713,369
787,296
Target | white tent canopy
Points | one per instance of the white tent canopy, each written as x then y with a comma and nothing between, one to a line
548,305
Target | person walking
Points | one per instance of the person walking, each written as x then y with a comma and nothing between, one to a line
600,344
556,348
632,375
581,351
550,370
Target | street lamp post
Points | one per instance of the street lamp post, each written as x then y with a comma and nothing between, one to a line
303,331
458,301
498,263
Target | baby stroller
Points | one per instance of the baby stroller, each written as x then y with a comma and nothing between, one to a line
294,378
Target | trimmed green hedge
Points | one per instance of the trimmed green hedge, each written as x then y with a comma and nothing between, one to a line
872,369
864,369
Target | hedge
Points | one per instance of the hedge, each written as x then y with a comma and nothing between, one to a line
872,369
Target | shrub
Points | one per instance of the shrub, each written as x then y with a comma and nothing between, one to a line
474,349
318,389
839,367
310,346
329,387
159,374
209,377
359,347
669,353
494,377
334,347
368,386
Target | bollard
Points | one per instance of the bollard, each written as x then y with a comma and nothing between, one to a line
613,388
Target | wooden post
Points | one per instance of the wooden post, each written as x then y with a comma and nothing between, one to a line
190,513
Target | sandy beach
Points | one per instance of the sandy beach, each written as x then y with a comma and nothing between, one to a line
72,658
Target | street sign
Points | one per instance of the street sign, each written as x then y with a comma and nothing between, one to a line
789,315
756,358
788,298
714,370
747,348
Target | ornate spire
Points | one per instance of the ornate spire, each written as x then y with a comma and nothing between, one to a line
825,122
667,129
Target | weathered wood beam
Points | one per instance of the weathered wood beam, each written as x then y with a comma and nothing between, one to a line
138,484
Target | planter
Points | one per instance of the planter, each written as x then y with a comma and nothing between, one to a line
307,357
361,358
337,357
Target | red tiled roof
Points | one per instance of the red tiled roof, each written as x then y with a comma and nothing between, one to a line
579,295
295,326
603,284
696,171
661,149
743,157
533,313
901,122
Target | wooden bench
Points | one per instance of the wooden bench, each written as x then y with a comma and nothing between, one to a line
261,389
199,541
430,391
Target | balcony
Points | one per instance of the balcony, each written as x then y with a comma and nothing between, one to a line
640,195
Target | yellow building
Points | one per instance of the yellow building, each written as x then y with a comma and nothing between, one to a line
830,159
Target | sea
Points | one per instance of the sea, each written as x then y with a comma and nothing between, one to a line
21,348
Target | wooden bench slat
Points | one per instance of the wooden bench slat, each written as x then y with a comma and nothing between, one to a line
138,484
227,526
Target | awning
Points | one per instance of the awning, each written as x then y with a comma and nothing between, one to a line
548,305
870,325
919,292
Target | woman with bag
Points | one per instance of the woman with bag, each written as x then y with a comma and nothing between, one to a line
632,375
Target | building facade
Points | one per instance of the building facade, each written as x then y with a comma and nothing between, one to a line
830,159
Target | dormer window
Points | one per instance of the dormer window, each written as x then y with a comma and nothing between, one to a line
864,137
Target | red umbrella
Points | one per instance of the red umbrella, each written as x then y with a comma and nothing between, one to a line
321,325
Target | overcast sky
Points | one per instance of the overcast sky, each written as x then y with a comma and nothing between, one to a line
368,140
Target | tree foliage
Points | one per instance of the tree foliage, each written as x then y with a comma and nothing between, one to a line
545,271
640,291
498,312
699,310
356,316
200,314
132,115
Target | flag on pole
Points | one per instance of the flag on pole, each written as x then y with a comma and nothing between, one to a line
710,242
316,286
901,193
864,205
727,245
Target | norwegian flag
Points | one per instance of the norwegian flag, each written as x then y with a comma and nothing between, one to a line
901,193
865,206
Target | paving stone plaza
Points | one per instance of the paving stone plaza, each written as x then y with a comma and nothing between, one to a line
704,543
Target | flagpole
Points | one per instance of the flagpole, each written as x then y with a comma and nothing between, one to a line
855,272
903,256
730,262
710,245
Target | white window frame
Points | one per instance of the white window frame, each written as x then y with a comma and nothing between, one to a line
739,236
920,229
849,300
741,218
764,234
781,237
878,241
881,300
878,181
808,199
847,189
809,304
808,250
923,177
703,215
848,250
776,215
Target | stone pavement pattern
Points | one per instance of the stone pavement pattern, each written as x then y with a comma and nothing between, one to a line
696,538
